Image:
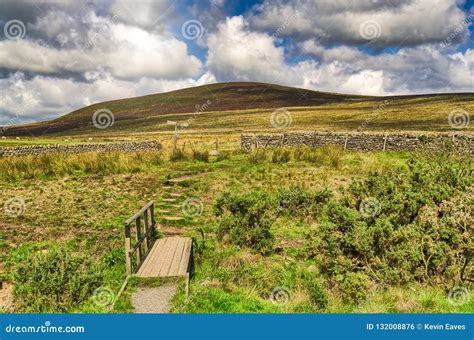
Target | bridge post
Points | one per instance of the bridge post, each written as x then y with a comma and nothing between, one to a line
128,260
139,236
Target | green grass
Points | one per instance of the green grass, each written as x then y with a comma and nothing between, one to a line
84,207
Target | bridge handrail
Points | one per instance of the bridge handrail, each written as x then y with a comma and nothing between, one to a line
144,236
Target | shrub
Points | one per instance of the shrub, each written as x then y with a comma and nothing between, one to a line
400,226
245,219
354,288
297,201
56,281
281,155
294,200
317,294
202,156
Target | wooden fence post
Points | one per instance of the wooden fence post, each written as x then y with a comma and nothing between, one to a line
147,231
385,141
139,236
152,213
128,260
345,142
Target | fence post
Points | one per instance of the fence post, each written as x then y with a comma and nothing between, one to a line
385,141
345,142
147,230
152,213
128,260
139,236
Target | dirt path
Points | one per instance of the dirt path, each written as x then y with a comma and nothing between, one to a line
154,299
170,218
6,301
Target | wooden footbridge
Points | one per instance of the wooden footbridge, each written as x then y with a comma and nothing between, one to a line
148,256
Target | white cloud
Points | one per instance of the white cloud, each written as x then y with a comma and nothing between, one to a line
237,53
401,23
127,52
42,98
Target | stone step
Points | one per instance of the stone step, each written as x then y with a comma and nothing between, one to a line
172,218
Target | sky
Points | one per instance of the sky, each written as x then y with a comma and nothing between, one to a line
58,56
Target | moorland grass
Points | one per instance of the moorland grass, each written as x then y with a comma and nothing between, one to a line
313,198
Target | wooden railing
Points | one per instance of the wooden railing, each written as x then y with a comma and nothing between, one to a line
144,237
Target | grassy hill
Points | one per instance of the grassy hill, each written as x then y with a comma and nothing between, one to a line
237,107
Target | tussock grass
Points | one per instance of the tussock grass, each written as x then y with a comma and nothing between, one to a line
329,155
57,165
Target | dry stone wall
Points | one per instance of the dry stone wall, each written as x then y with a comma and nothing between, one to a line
357,141
36,150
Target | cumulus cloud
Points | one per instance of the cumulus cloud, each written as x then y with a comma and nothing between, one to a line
396,23
127,52
237,53
43,97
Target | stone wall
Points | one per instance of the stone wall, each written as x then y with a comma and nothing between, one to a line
36,150
357,141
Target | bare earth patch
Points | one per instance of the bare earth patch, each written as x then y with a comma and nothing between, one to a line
6,297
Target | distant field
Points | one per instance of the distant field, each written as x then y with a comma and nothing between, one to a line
248,107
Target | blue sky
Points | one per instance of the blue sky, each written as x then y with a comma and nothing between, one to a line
59,56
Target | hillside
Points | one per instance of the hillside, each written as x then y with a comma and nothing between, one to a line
248,106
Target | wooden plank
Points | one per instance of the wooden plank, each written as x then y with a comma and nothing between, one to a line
167,256
157,261
151,258
165,270
183,266
174,268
